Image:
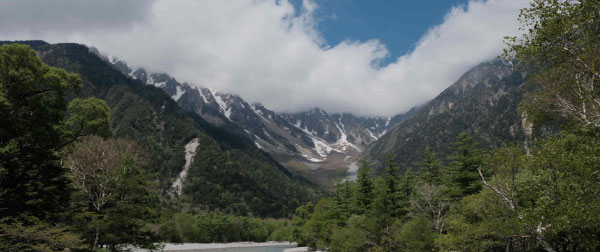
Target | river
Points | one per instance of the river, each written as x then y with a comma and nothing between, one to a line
232,247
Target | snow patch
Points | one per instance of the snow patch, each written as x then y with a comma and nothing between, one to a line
190,152
372,135
383,133
343,141
113,60
178,94
132,75
314,160
203,97
222,104
150,80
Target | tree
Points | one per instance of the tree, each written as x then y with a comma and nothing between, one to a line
113,200
560,50
32,107
431,202
343,199
37,236
322,224
387,196
416,235
430,167
364,193
462,176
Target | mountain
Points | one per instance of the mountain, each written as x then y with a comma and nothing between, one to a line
483,102
313,143
193,160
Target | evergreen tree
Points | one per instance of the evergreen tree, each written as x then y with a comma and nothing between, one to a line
32,108
364,183
405,192
462,176
430,167
343,200
388,195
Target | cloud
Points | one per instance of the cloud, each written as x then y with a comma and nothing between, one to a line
267,52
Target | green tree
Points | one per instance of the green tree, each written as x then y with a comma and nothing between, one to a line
353,237
430,167
343,198
406,189
323,222
89,116
113,202
36,236
462,176
560,51
32,107
364,182
416,235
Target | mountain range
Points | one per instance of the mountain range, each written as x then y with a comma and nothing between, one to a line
313,143
483,102
192,160
217,151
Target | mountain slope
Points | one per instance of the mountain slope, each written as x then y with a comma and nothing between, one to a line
483,102
313,143
227,172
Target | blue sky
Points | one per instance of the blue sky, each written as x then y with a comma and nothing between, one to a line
267,51
397,24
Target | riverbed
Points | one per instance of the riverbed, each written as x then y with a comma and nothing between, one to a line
232,247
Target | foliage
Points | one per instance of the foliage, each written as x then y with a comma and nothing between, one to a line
89,116
208,227
462,177
32,107
560,50
364,183
229,173
113,202
38,236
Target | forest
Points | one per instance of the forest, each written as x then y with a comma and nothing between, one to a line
87,157
542,196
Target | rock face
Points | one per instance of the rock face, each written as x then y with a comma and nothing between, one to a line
306,141
190,152
483,102
321,146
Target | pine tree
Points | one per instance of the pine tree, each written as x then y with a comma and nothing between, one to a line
364,193
32,108
406,187
430,167
343,200
462,176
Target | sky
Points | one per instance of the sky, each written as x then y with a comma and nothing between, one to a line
370,58
397,24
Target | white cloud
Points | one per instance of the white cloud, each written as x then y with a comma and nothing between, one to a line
263,52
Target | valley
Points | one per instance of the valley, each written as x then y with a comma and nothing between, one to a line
313,144
288,126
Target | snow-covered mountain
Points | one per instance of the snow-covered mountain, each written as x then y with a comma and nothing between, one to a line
313,142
